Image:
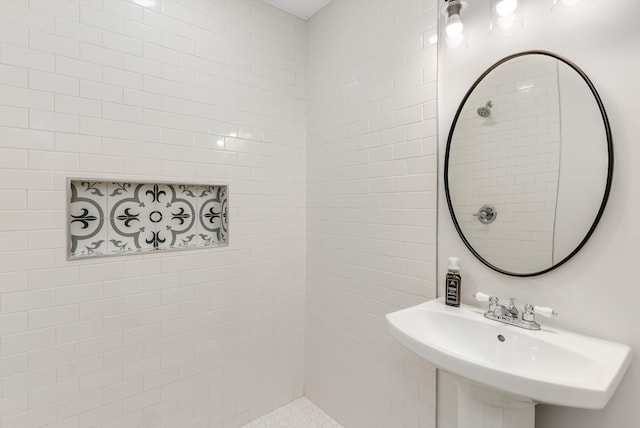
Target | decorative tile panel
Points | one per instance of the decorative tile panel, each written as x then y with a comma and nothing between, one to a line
119,217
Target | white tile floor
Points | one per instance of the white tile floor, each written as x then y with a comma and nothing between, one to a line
300,413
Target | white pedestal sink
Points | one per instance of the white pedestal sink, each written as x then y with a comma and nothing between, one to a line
503,370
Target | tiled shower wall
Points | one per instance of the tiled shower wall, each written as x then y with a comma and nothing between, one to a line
371,207
192,90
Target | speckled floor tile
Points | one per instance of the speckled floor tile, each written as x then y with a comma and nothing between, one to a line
300,413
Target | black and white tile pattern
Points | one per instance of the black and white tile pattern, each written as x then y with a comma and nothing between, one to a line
115,217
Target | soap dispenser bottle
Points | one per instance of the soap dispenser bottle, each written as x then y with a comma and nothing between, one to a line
452,283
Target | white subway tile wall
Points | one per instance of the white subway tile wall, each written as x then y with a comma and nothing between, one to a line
372,183
193,90
510,160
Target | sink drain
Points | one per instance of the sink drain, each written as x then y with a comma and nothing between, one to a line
501,338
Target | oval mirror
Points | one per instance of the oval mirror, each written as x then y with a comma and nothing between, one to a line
528,163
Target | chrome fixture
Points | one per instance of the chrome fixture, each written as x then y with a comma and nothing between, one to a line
486,214
485,110
510,314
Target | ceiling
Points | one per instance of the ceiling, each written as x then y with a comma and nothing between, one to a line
304,9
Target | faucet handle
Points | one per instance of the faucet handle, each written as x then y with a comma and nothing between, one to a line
530,312
545,311
481,297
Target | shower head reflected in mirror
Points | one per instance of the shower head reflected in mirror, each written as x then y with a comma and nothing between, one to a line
485,111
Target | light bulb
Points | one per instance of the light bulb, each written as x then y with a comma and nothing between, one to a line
454,26
507,7
455,42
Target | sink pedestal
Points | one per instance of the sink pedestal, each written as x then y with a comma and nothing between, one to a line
480,406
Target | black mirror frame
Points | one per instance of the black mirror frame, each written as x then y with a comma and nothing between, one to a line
609,171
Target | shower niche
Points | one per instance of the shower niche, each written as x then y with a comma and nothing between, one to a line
110,217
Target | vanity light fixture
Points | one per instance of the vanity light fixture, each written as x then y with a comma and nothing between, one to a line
505,17
454,29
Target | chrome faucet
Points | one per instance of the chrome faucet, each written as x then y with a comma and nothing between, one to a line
510,314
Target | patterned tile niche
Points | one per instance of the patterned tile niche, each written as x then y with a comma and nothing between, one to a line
108,218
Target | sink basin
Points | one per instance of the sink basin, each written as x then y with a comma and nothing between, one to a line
550,366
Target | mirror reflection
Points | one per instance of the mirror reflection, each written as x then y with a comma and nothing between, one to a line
528,164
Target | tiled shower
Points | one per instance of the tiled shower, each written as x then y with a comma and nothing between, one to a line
324,132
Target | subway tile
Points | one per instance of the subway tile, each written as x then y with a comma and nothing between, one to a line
45,239
100,127
132,420
143,32
78,68
142,99
63,8
123,390
122,78
99,55
13,158
76,106
23,57
74,30
21,97
50,121
13,364
13,323
13,281
100,91
33,418
47,356
142,65
101,164
100,415
14,117
13,405
79,404
100,380
99,19
14,34
39,160
13,200
27,17
26,300
125,9
71,422
72,369
52,394
50,43
26,341
12,75
51,317
121,43
123,356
